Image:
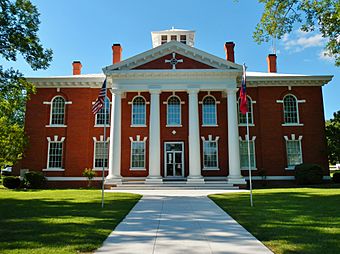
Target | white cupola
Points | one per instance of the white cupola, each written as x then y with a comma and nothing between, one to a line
162,37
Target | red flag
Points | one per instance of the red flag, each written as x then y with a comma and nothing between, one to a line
243,93
99,104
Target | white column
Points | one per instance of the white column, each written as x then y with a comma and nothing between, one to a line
233,140
154,140
115,139
194,139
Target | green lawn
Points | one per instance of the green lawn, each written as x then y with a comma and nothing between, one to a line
299,220
59,221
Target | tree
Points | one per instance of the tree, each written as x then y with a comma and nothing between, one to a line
280,17
333,138
19,24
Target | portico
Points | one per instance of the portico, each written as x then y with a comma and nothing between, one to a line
119,88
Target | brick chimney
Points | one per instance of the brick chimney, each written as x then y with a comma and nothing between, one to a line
76,67
116,53
229,51
271,61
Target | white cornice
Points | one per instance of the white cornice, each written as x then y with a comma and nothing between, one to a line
165,49
291,80
68,81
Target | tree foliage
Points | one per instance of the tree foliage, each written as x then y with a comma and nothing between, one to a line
333,138
280,17
19,25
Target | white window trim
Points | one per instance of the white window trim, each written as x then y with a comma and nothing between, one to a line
297,110
50,103
210,139
95,117
55,140
252,112
167,111
101,140
216,102
293,138
246,138
138,139
131,103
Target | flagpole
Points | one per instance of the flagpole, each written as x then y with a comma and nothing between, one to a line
105,154
249,166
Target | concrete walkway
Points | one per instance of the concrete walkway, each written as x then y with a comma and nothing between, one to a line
179,222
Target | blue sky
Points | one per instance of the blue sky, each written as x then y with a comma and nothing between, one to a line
85,30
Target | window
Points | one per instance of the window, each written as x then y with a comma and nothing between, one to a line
164,39
174,111
58,111
183,39
209,111
55,154
210,154
173,37
294,153
138,111
101,154
244,161
138,154
104,114
241,117
290,109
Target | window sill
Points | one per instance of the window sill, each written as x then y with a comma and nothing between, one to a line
138,125
209,125
290,168
248,169
137,169
292,124
211,169
101,125
56,126
54,169
100,169
173,125
245,125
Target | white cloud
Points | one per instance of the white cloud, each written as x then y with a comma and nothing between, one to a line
324,55
299,40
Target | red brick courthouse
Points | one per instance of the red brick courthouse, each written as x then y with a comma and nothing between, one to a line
173,114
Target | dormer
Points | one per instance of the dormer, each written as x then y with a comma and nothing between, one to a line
161,37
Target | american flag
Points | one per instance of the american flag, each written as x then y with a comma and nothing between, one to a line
243,93
99,104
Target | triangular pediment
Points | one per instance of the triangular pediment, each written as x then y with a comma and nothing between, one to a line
160,58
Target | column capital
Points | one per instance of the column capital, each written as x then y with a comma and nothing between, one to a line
155,91
117,91
193,90
232,91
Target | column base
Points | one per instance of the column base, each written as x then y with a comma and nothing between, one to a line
236,180
195,180
154,180
113,180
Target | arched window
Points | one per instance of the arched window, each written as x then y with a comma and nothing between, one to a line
290,109
103,115
174,111
58,111
241,117
209,111
138,111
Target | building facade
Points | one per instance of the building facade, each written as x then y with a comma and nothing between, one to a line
172,113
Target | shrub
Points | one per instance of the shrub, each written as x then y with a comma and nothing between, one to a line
336,177
11,182
90,174
306,173
34,180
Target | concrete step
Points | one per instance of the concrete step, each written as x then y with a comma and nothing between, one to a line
174,185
